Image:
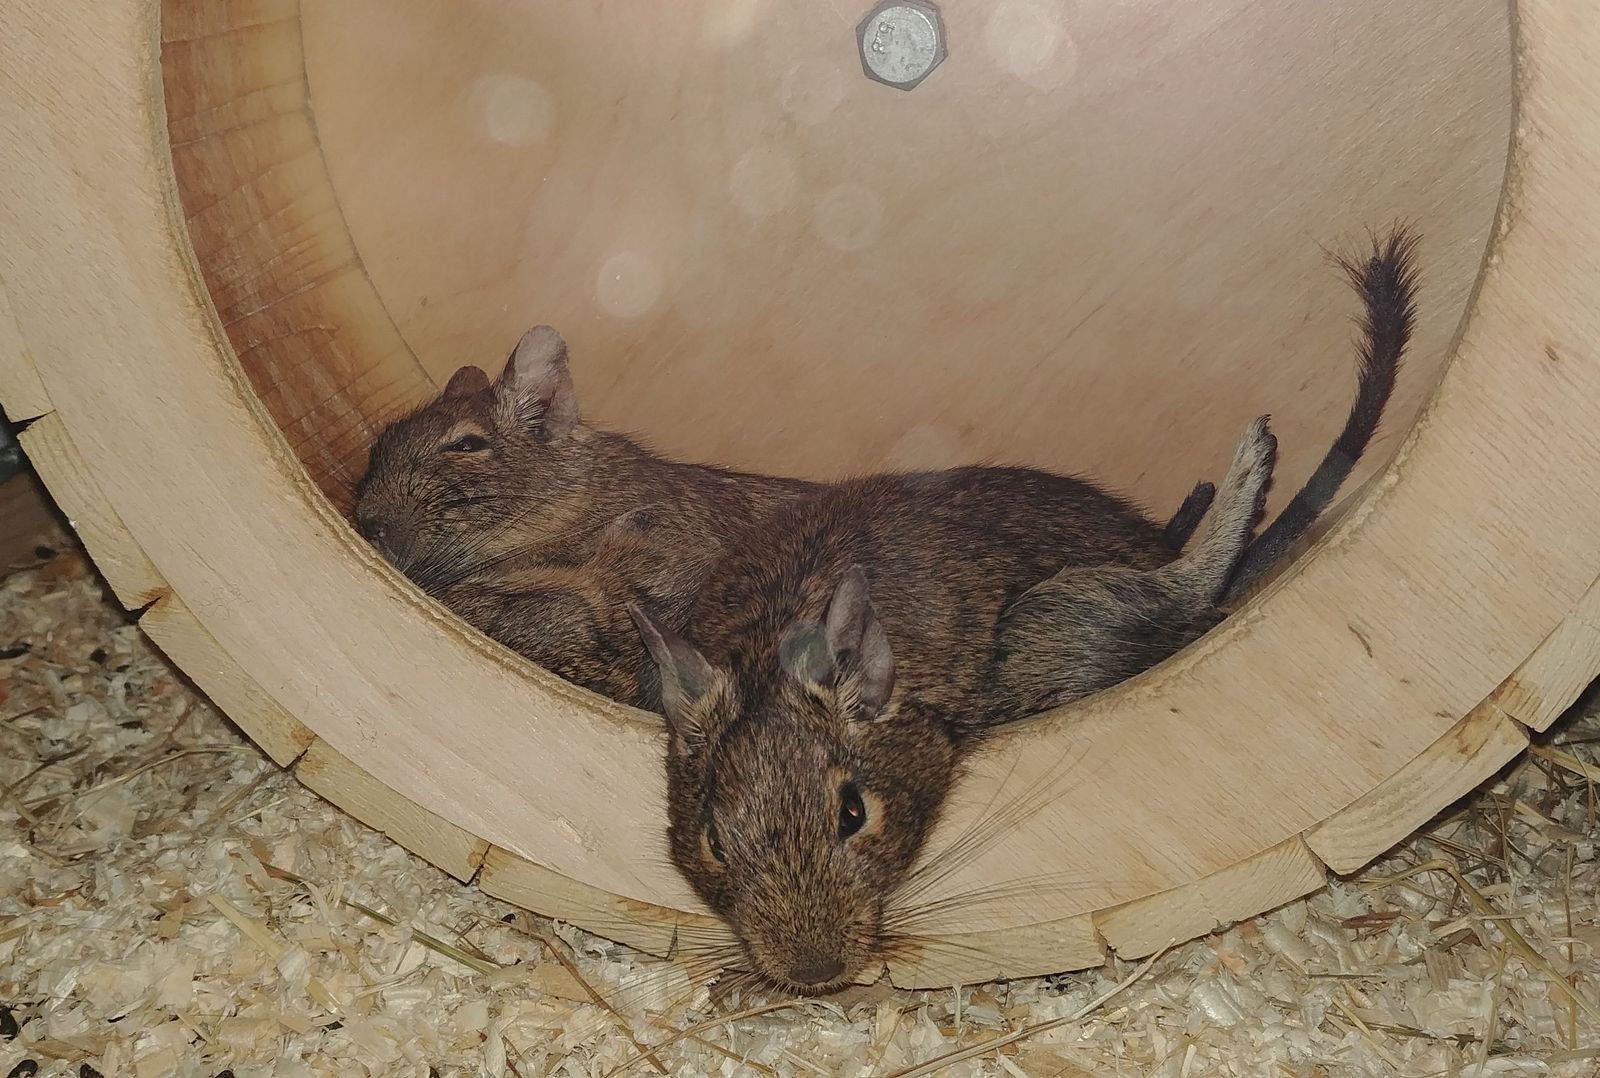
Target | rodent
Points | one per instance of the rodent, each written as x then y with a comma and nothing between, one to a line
498,501
573,619
852,649
536,529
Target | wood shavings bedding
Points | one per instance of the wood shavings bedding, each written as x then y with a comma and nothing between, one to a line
172,904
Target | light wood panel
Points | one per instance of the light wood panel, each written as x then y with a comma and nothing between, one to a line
1092,240
268,234
652,929
20,387
1020,951
374,804
1262,882
1556,674
1475,748
179,634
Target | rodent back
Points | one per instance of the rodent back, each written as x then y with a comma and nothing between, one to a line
943,553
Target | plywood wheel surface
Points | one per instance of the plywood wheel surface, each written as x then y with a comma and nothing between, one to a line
163,345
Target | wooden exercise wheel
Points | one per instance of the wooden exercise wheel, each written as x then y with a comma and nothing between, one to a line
239,237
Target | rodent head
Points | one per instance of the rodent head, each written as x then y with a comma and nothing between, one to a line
800,794
479,471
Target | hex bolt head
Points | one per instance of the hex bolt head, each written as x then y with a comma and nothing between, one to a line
901,42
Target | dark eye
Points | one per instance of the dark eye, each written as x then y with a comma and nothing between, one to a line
852,813
714,843
467,443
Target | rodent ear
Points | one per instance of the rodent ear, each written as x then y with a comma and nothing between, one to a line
804,653
687,680
861,655
540,384
465,382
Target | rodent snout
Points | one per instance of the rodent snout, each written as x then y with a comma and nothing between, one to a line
819,971
389,540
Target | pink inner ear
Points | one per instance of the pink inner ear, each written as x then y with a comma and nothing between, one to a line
538,379
466,380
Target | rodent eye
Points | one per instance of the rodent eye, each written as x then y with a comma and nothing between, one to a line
467,443
714,844
852,811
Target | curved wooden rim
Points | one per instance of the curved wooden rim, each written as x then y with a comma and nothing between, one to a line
1455,595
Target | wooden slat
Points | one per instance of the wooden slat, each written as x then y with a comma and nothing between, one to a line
1474,749
116,553
1555,675
1267,880
22,394
978,957
178,633
435,840
652,929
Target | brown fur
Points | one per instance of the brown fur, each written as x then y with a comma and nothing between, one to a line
1086,629
573,620
499,502
806,678
862,639
512,536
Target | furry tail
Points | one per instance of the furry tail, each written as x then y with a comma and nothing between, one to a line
1387,283
1184,522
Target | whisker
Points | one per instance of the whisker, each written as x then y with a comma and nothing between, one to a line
1063,884
980,836
907,947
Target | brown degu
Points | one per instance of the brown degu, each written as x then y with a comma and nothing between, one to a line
850,650
537,529
498,501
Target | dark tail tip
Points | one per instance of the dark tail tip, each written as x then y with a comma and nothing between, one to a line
1386,281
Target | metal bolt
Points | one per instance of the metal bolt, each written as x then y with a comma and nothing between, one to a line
901,42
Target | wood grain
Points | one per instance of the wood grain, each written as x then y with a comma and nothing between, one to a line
1548,682
20,387
1475,748
979,957
374,804
1092,241
308,330
1262,882
76,489
179,634
1449,571
650,928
